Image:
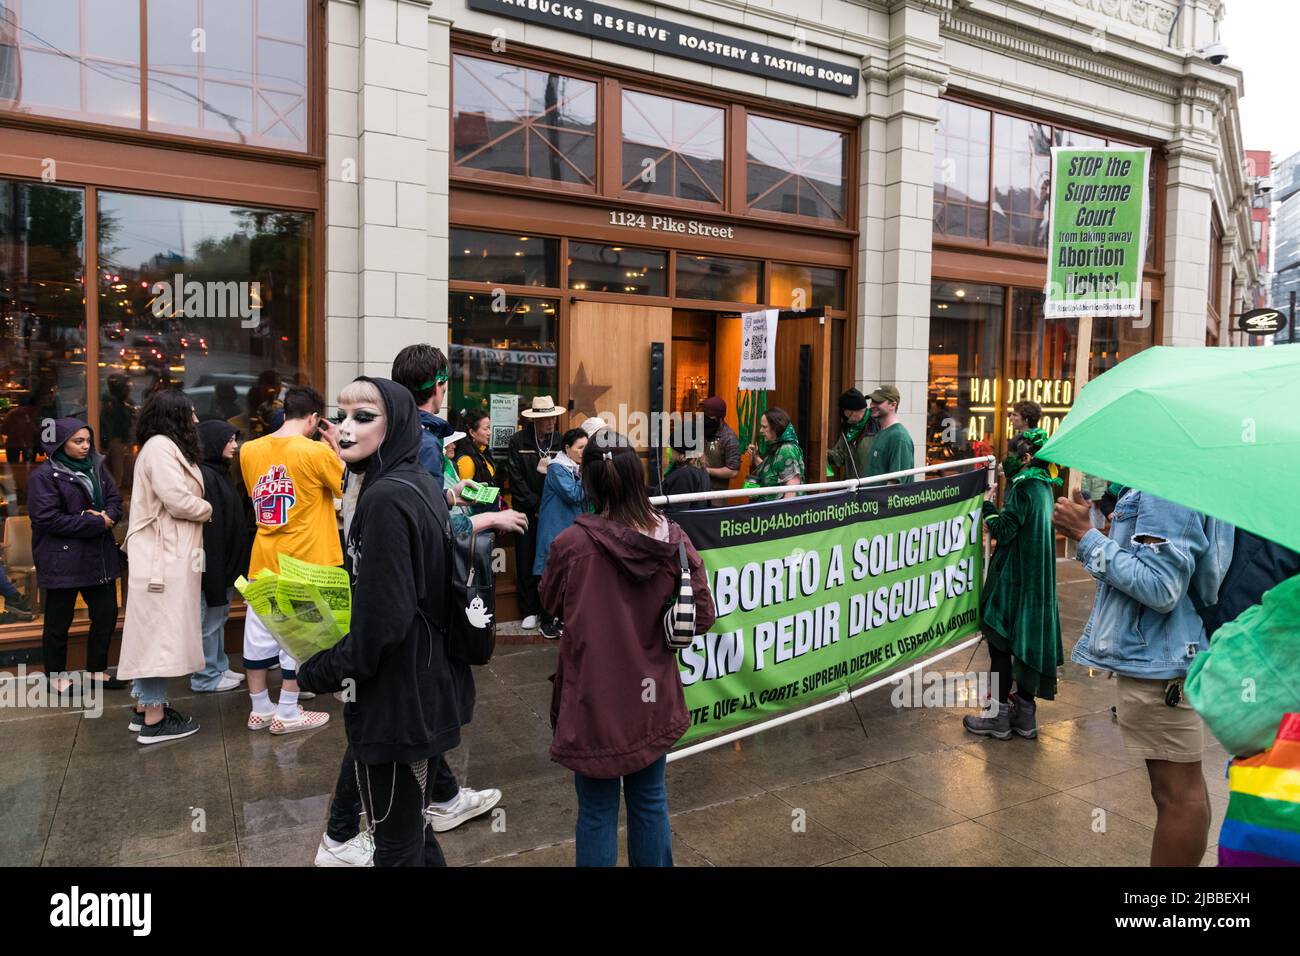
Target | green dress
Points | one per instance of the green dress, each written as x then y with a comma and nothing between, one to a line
1018,607
783,462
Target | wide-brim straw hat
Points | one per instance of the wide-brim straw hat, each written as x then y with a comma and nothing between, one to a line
543,407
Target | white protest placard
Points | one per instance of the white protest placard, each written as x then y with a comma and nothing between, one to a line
505,416
758,349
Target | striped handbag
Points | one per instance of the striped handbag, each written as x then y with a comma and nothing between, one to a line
1262,825
679,613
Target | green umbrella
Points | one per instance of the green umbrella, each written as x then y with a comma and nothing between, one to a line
1214,429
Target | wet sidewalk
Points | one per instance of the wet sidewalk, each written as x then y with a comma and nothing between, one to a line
865,784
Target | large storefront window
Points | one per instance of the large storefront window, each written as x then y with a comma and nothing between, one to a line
42,351
796,169
673,148
965,358
232,70
210,298
510,119
501,345
961,171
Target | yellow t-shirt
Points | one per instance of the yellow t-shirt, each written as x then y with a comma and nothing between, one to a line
293,483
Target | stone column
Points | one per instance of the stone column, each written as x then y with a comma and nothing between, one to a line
392,144
1188,202
438,160
1228,287
895,198
342,223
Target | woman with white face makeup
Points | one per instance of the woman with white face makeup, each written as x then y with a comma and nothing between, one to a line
409,695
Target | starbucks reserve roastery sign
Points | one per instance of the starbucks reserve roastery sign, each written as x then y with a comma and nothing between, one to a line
1097,232
603,22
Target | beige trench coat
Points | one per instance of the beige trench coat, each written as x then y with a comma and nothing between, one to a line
164,546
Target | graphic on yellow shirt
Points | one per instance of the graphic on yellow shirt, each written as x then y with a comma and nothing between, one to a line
273,496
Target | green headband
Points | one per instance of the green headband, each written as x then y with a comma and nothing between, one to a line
439,379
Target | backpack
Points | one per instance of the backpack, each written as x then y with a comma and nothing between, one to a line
472,601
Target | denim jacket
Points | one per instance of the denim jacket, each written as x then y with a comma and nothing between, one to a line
1144,621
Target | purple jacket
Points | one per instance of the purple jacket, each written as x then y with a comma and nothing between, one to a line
71,549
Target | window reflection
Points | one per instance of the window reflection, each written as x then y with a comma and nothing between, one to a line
712,277
961,171
42,352
74,58
597,268
480,256
672,148
796,169
209,298
805,287
244,78
1022,170
510,119
501,348
964,390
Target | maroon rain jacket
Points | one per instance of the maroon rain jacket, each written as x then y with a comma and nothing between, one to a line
609,585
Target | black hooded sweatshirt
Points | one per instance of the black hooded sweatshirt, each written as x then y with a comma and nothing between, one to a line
228,537
411,698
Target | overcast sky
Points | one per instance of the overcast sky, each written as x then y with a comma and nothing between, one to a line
1261,36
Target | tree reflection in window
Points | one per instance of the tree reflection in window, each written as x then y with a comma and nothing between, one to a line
796,169
672,148
509,119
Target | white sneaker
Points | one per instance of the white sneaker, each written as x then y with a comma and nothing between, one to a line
529,623
305,720
469,804
234,675
226,683
359,851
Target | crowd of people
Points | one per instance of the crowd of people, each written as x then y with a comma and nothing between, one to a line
594,561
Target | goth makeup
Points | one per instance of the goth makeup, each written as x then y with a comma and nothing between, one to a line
361,432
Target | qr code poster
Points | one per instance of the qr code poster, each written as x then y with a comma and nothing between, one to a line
501,435
758,349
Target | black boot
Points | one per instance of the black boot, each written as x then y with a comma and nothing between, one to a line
998,726
1023,717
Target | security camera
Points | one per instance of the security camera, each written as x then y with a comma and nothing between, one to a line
1265,184
1216,52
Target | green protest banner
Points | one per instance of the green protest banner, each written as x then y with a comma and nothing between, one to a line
1097,231
815,595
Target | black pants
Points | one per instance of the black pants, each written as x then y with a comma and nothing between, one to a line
345,808
395,802
525,553
1000,663
101,601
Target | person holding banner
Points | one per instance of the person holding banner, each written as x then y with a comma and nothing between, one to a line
1018,610
617,706
783,464
851,456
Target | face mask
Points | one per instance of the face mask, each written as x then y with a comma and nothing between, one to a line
711,428
1011,466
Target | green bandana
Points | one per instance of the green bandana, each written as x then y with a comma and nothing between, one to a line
1033,471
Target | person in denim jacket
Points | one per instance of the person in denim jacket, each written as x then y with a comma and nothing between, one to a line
1161,563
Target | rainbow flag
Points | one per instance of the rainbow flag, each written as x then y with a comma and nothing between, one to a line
1262,826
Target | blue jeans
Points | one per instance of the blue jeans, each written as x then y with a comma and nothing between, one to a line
649,837
150,691
212,622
